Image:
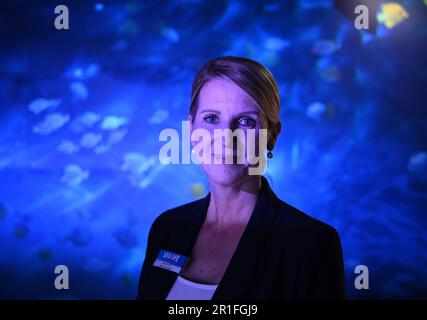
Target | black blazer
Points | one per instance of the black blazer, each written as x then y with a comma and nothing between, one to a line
282,254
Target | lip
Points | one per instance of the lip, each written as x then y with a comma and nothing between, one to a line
224,158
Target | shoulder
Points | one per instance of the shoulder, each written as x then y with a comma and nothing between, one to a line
177,216
302,228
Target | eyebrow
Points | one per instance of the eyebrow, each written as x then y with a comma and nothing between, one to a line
255,112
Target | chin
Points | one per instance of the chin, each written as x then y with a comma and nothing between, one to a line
226,174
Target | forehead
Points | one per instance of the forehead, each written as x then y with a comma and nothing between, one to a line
223,91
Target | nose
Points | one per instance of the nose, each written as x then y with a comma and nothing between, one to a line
228,143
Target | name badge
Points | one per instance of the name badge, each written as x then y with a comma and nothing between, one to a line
170,261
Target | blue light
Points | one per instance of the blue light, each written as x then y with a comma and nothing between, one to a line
99,6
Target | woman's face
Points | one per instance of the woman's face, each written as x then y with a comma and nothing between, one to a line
224,105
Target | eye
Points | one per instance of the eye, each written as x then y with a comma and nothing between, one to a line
212,119
247,122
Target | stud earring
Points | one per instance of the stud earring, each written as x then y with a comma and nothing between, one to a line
269,154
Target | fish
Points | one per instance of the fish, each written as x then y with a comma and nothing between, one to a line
170,34
99,6
21,230
102,148
314,4
83,72
324,47
68,147
79,91
126,237
391,14
120,45
41,104
418,162
137,163
417,170
330,73
113,138
276,43
80,236
112,122
128,27
74,175
90,140
197,190
117,136
86,121
159,116
141,169
51,123
316,110
44,254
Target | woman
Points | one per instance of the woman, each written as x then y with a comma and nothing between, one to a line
240,241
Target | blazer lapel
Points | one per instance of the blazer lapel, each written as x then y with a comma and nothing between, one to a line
180,241
244,260
242,266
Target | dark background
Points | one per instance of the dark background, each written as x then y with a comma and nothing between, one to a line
81,111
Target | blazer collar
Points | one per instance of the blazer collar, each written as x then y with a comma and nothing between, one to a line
241,268
242,265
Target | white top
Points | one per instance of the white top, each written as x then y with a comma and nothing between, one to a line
184,289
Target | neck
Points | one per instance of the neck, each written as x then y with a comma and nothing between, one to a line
232,205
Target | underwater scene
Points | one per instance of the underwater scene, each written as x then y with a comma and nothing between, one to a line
81,111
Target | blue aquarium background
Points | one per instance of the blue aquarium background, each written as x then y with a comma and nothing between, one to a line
81,111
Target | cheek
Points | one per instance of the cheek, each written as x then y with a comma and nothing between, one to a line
201,124
252,142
